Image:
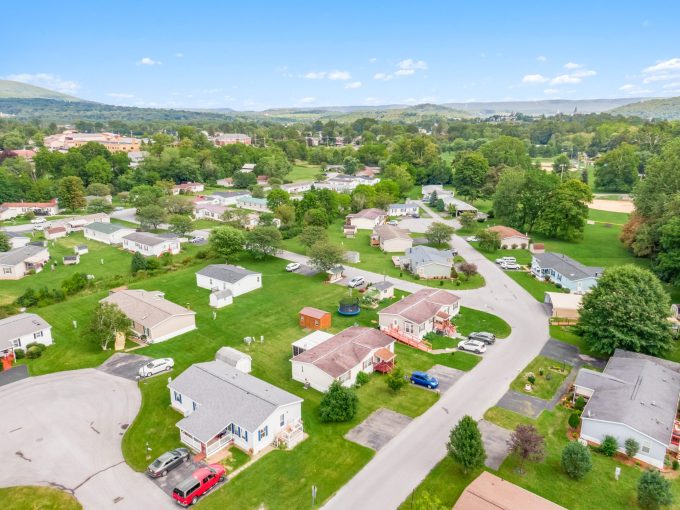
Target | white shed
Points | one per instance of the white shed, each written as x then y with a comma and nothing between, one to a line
235,358
221,298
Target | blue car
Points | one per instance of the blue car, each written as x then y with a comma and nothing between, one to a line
424,379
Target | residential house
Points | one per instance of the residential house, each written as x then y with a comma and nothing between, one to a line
346,183
427,310
107,233
227,197
154,318
17,239
17,331
78,223
248,168
151,245
565,271
427,262
252,203
489,492
9,210
235,358
227,182
342,357
53,233
230,138
136,157
635,397
391,238
428,189
313,318
511,239
403,209
564,306
209,211
369,171
459,206
262,180
307,342
18,262
235,279
188,187
366,219
385,289
223,406
27,154
297,187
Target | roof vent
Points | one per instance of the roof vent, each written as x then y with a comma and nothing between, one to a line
653,402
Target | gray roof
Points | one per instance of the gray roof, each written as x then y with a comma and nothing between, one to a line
567,266
226,395
106,228
231,356
222,294
423,255
230,194
225,272
384,285
18,255
637,390
403,206
19,325
146,238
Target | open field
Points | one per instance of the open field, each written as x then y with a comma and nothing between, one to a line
303,172
620,206
37,498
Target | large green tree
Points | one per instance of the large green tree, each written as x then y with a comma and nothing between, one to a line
324,255
108,321
653,490
506,151
465,446
227,241
566,210
180,224
439,233
469,174
71,193
617,170
151,216
5,243
263,241
338,404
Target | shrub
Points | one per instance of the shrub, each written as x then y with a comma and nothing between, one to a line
38,346
574,420
338,404
654,490
19,353
202,254
609,446
33,352
531,378
166,259
74,284
675,464
558,285
362,378
580,403
395,379
514,246
631,446
152,264
540,372
576,460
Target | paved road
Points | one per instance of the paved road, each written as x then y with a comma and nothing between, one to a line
64,430
398,468
128,214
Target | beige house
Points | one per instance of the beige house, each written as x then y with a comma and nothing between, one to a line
16,263
511,239
391,238
489,492
564,306
366,219
154,318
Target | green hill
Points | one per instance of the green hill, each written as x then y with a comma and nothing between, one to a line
666,108
17,90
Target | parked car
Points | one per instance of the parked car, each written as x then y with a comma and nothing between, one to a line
356,281
293,266
510,265
41,226
38,220
415,215
472,239
197,240
424,379
118,208
167,462
472,345
506,259
201,481
483,336
393,222
156,366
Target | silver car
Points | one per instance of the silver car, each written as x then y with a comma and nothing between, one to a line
472,346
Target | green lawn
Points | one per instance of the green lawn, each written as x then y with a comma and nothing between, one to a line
303,172
469,320
545,385
373,259
29,497
615,218
566,334
205,224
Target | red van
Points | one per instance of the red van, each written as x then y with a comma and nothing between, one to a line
201,481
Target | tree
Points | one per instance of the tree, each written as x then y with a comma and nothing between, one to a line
316,217
350,165
311,235
180,224
439,233
5,243
244,180
395,379
521,196
276,198
506,151
324,255
632,447
426,501
99,205
626,310
286,213
98,170
465,446
263,241
617,170
469,174
561,165
108,322
527,444
654,491
609,446
566,210
71,193
468,269
138,263
338,404
98,189
227,241
489,240
576,460
151,216
667,262
467,219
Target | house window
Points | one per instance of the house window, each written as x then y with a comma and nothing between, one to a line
7,270
178,397
646,447
282,420
408,327
194,405
344,377
316,323
16,342
262,433
367,363
38,334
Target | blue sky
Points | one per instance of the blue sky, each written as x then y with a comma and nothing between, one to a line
256,55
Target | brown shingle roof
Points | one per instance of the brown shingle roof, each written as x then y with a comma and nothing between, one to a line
146,308
489,492
422,305
507,232
369,214
386,232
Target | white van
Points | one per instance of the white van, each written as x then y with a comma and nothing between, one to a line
506,260
38,220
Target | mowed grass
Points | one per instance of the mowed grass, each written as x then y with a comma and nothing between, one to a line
303,172
615,218
32,497
546,385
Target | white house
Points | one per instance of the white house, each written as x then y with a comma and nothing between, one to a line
636,396
235,279
151,245
342,357
248,168
18,239
391,238
366,219
55,233
252,203
402,209
297,187
227,197
510,238
346,183
9,210
428,189
107,233
188,187
563,270
235,358
17,331
307,342
223,406
18,262
427,262
209,211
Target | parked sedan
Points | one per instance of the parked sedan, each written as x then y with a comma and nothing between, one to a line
483,336
167,462
156,366
357,281
505,260
472,239
510,265
293,266
473,346
393,222
424,379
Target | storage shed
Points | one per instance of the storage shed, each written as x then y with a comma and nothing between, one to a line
81,249
221,298
313,318
235,358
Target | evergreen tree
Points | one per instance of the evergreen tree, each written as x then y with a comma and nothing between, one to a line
465,445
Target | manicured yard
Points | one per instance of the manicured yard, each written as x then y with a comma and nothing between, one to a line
545,386
566,334
205,224
29,497
615,218
303,172
469,320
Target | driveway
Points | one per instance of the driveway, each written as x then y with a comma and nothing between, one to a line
521,403
378,429
124,365
64,430
446,376
495,441
14,374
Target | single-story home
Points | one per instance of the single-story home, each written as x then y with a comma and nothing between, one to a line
368,171
9,210
154,318
17,239
403,209
107,233
227,182
346,183
342,357
16,263
459,206
297,187
313,318
636,396
17,331
564,306
428,189
188,187
223,406
227,197
385,289
312,340
427,262
55,233
221,298
248,167
411,318
235,358
209,211
489,492
366,219
391,238
71,260
236,279
81,249
563,270
252,203
511,239
151,245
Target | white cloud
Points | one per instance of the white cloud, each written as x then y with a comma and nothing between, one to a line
339,75
674,85
148,61
534,78
120,95
353,85
382,76
372,60
315,75
405,72
409,63
572,65
371,100
629,88
307,100
661,77
46,80
672,64
584,73
541,58
563,79
179,55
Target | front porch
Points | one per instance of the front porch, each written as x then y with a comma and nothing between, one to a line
443,325
408,339
209,448
384,360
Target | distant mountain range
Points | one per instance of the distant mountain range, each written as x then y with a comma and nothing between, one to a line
28,101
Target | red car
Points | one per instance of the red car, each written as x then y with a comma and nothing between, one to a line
201,481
